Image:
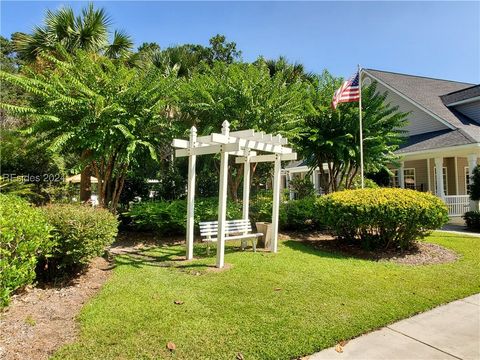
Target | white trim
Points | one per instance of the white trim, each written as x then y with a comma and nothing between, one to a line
447,150
429,175
466,101
412,101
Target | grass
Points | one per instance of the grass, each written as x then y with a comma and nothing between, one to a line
267,306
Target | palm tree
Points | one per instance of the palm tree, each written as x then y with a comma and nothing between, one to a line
87,31
291,72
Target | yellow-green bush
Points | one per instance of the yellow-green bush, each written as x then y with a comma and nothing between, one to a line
382,217
24,235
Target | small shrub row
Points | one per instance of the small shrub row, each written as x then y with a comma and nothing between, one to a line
48,242
388,218
169,217
472,220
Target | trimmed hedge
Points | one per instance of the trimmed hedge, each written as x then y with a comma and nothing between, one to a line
382,217
472,220
24,235
81,233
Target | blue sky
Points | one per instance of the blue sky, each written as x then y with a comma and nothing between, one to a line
437,39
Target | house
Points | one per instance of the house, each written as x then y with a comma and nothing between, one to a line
443,143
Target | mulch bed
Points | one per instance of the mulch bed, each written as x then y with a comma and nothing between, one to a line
40,320
422,253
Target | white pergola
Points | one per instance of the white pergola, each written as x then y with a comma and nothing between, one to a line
243,144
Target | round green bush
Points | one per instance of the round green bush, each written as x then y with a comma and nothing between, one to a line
81,233
24,235
382,217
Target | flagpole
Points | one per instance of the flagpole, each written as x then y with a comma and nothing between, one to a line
360,122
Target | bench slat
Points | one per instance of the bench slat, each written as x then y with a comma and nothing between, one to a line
236,237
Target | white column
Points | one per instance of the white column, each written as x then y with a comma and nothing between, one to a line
222,200
472,163
246,185
439,177
276,203
401,175
290,192
192,159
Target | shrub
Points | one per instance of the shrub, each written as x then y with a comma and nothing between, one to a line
81,233
170,217
24,235
302,187
474,187
472,219
300,215
382,217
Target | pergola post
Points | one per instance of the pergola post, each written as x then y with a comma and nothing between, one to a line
192,159
246,189
222,199
276,202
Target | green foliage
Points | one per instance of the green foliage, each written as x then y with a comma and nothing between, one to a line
24,235
302,187
261,207
472,220
300,215
382,217
87,31
332,136
88,103
81,233
367,183
474,187
246,96
170,217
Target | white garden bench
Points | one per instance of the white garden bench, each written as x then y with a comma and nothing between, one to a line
234,230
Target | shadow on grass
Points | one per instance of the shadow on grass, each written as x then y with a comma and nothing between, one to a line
169,257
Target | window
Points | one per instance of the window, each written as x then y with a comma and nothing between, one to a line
467,178
445,180
408,178
394,179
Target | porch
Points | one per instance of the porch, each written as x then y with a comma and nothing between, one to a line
447,176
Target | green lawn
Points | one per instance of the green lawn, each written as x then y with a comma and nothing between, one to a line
323,298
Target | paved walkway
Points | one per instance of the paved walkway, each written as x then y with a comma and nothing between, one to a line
450,331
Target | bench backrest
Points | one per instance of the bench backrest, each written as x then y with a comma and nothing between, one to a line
210,228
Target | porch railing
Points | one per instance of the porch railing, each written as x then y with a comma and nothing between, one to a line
457,204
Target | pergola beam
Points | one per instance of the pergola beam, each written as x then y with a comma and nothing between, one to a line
210,149
266,158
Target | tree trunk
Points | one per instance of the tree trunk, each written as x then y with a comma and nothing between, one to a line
85,180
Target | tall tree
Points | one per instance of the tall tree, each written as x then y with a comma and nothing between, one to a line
248,97
89,102
88,31
331,137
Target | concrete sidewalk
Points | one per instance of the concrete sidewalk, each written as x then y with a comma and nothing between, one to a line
450,331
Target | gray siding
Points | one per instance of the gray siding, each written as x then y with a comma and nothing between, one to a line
419,121
472,110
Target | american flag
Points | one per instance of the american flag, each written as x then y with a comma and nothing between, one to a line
348,92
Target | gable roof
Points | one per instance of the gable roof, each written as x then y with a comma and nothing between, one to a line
469,93
426,93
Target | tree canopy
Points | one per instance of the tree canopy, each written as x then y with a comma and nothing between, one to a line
332,136
89,102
